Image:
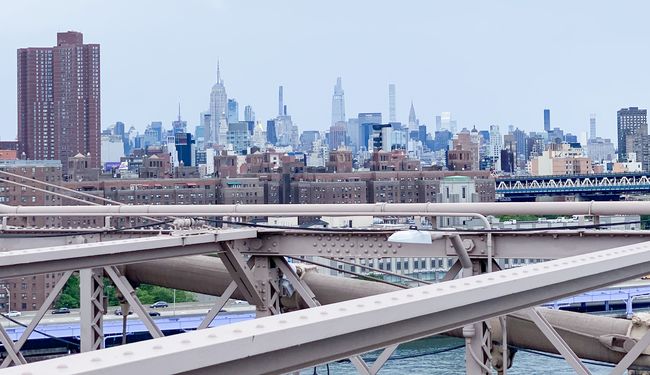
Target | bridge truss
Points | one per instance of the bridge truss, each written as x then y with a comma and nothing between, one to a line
257,262
570,184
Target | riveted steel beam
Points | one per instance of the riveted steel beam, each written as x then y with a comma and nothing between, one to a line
537,244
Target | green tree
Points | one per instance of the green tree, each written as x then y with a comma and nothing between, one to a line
70,294
147,294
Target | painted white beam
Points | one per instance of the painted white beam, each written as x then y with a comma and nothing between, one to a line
288,342
376,209
18,263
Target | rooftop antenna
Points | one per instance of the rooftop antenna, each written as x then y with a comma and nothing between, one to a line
218,72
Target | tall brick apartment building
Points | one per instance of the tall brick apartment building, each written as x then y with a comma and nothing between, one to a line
59,100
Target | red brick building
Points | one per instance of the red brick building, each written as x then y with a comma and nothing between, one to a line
59,100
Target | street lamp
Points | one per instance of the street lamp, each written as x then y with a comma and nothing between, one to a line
8,297
414,236
411,236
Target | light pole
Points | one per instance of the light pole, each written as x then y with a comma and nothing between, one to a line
174,302
8,298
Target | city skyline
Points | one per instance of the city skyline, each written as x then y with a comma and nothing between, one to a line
491,75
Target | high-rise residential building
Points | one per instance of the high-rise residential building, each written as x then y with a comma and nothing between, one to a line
413,121
630,121
547,120
338,103
249,114
392,115
218,108
59,100
592,126
233,111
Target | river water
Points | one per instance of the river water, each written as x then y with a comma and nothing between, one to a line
412,359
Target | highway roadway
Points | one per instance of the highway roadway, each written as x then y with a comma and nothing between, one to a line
180,310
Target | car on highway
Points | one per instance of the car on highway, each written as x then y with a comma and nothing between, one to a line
154,313
13,314
118,311
61,310
159,304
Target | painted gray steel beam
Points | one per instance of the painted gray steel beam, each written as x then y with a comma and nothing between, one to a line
207,275
538,244
98,254
291,341
376,209
545,244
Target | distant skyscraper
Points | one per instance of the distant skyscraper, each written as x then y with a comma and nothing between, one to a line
185,148
392,115
547,120
118,128
218,107
239,137
338,103
337,135
592,126
59,100
413,121
233,111
630,121
280,102
453,126
179,126
495,147
366,121
353,134
438,123
445,122
249,114
271,134
206,123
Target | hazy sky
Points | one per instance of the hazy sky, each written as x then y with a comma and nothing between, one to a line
488,62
